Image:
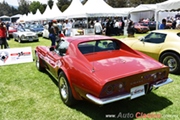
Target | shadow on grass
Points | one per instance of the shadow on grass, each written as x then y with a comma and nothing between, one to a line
124,109
52,78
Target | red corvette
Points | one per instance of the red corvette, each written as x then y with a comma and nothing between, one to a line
100,69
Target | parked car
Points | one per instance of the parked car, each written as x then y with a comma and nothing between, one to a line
162,45
100,69
152,25
11,31
140,28
25,35
45,32
37,28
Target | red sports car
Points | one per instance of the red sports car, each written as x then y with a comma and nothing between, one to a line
100,69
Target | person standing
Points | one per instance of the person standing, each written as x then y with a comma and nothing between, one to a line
107,27
60,26
67,28
52,33
3,35
98,28
122,26
163,24
131,29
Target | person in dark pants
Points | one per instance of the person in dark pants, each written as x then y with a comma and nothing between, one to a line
122,26
108,27
3,35
52,33
131,29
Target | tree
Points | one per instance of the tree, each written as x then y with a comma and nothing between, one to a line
50,3
63,4
34,6
5,9
44,7
23,6
84,1
117,3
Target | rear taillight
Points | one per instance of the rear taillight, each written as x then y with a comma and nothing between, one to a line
112,88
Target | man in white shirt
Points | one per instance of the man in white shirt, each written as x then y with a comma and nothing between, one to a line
67,28
98,28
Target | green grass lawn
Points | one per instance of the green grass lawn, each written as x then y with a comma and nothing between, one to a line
27,94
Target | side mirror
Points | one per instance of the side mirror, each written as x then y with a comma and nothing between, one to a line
51,49
141,38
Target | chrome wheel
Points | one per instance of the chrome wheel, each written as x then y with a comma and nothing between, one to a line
37,61
171,62
63,88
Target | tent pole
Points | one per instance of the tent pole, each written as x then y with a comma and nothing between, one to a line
157,18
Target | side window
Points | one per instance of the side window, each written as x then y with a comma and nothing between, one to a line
62,47
155,38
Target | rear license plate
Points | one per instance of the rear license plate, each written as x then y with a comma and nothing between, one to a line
137,91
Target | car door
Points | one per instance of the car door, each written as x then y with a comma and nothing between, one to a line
54,60
55,56
151,44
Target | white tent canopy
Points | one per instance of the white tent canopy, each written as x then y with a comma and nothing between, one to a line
37,16
99,8
22,18
124,11
47,13
144,7
168,5
54,12
16,16
75,10
29,17
143,11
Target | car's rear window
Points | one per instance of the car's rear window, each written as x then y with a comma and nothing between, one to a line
98,46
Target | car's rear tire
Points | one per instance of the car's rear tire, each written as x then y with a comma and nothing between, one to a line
65,90
38,63
172,60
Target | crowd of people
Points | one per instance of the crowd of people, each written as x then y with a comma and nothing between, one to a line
106,26
57,29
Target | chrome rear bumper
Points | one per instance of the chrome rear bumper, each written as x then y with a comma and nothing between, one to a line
104,101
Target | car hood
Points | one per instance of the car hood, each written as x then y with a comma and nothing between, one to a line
114,68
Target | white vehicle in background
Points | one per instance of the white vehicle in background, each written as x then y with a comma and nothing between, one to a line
25,35
45,32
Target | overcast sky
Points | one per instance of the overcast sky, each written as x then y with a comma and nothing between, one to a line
15,2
